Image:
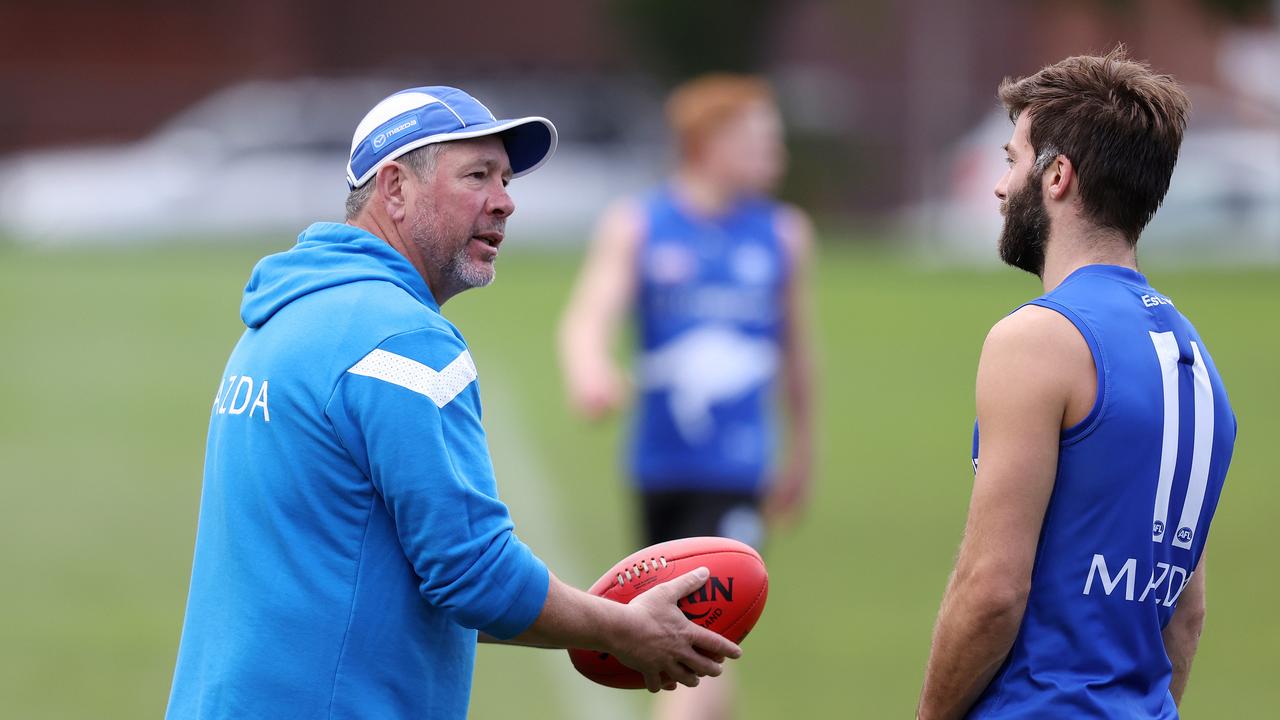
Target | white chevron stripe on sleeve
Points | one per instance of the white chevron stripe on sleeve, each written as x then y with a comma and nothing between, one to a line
441,386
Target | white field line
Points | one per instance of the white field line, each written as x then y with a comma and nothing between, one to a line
524,485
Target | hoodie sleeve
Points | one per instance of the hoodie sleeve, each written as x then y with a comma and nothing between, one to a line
409,414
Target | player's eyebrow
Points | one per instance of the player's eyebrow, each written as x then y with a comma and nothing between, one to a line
1008,150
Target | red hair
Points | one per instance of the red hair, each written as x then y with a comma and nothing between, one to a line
701,106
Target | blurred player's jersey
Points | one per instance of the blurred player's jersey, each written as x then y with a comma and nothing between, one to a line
709,314
1137,485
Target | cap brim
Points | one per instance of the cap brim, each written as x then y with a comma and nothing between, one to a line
530,142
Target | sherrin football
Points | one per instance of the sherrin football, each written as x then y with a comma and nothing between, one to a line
729,603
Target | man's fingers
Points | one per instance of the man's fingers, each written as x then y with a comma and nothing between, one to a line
709,643
683,675
702,665
685,584
705,650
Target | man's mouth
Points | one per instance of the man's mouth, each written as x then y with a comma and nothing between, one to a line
493,238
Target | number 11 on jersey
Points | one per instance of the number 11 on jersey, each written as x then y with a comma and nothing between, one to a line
1166,347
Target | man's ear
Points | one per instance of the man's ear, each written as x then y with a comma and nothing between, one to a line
392,189
1058,177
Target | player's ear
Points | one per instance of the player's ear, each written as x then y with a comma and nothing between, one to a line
1058,176
392,189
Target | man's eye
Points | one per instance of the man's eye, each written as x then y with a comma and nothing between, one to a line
1008,161
479,174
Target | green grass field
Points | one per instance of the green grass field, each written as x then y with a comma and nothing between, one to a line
111,359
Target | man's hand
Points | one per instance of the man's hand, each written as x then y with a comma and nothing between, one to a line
649,635
663,645
788,497
596,390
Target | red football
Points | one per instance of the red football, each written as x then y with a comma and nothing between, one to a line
729,603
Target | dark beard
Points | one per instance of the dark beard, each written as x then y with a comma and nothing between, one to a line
1026,228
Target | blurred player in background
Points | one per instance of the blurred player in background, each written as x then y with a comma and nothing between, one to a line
1105,430
715,273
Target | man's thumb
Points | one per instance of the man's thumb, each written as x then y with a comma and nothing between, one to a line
686,583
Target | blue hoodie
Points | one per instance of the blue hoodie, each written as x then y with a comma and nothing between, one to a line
351,540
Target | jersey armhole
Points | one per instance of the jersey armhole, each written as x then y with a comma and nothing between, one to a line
1077,432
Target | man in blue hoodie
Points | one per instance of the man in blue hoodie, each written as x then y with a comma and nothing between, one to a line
351,542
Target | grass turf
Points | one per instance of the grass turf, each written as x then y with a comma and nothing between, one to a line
111,358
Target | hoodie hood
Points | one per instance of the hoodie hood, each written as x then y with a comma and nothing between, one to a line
327,254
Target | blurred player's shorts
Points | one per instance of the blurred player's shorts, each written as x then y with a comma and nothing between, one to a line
673,514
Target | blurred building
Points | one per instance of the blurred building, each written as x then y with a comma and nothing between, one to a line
878,91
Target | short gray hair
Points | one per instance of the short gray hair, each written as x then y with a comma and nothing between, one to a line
421,161
1046,156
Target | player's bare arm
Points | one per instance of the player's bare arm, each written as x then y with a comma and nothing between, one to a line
1182,634
1035,377
649,634
790,491
600,300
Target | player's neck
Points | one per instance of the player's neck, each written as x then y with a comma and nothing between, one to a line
702,194
1075,247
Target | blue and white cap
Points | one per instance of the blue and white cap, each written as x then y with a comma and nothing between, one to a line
421,116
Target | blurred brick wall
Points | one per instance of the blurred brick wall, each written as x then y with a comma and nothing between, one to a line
905,77
79,70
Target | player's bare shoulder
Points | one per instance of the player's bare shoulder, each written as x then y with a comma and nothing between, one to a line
622,224
1042,348
1041,334
1035,324
795,229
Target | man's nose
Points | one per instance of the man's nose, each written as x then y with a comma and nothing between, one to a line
500,203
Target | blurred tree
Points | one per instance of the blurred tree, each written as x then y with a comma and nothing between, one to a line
1237,9
677,39
1231,9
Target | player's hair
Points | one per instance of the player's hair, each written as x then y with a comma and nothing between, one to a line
699,107
421,161
1118,122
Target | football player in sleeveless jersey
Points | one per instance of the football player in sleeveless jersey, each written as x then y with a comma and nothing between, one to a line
1103,434
714,274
